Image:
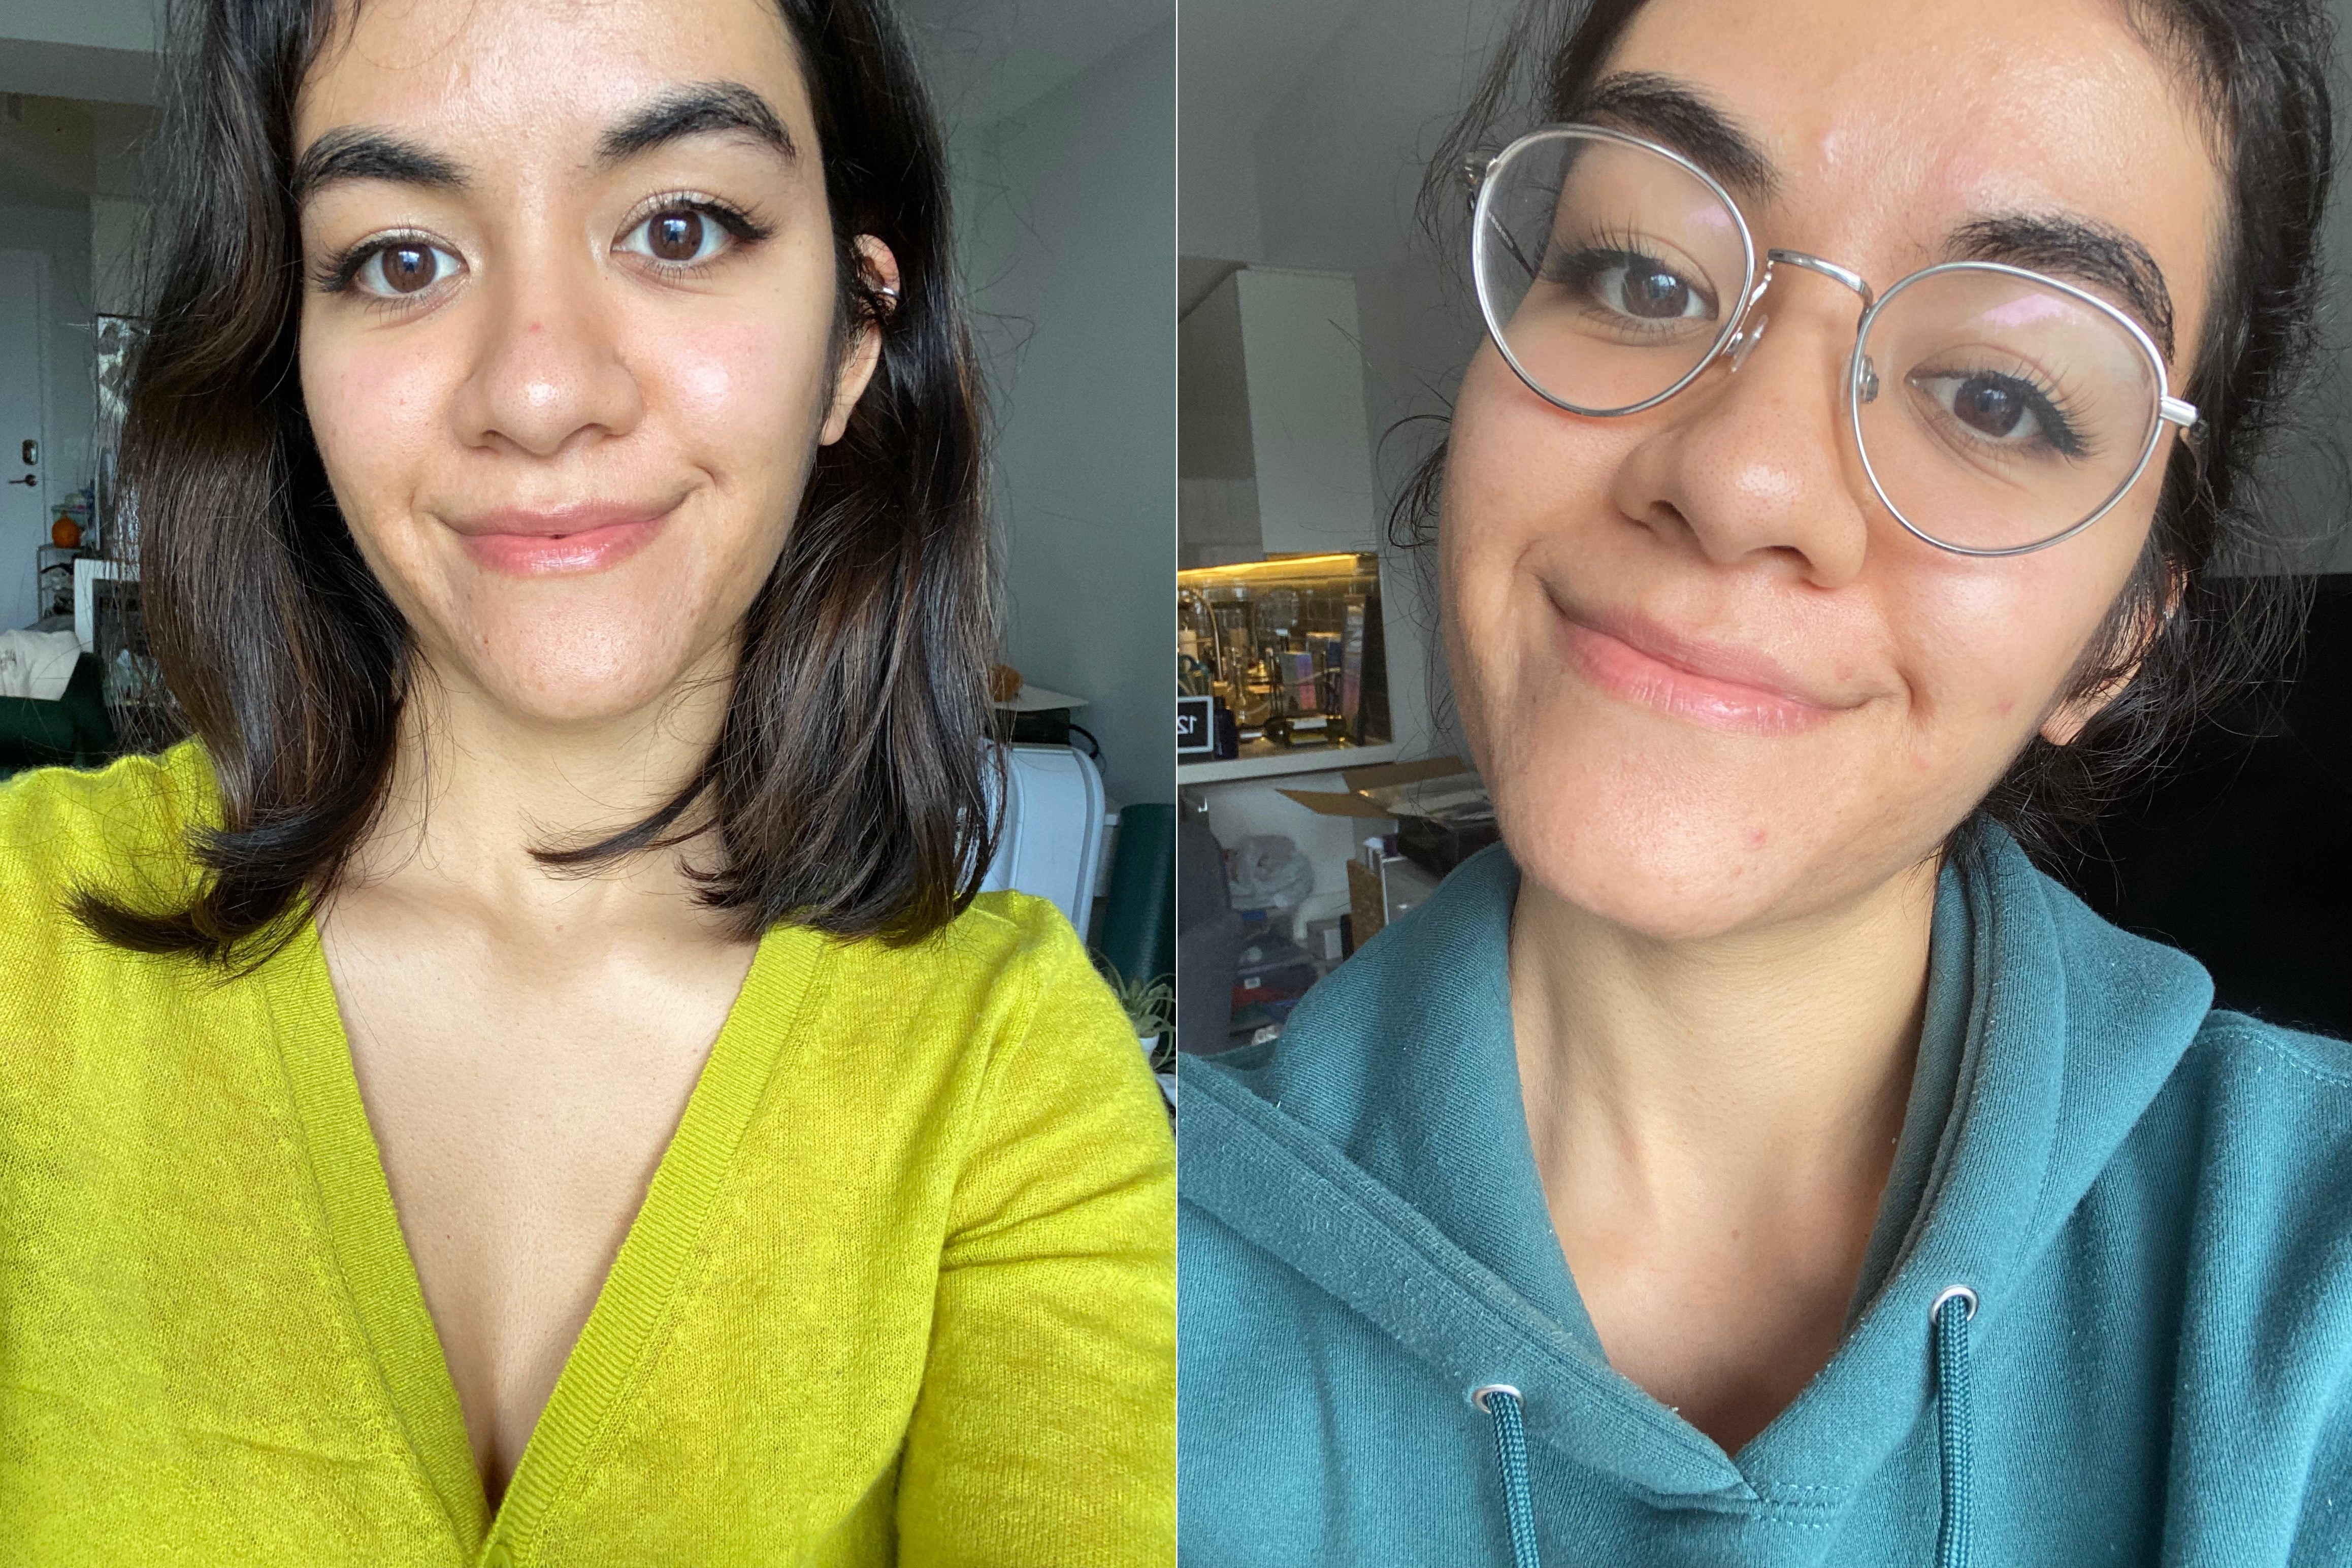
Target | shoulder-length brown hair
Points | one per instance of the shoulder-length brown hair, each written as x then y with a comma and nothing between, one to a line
848,789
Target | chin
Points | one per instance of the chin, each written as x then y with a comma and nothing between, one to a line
1656,868
581,664
1675,834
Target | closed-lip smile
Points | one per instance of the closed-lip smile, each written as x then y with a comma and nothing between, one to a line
1721,685
575,537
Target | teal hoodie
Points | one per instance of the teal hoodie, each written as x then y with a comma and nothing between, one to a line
2150,1201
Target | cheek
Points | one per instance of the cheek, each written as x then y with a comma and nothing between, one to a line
375,404
1990,647
1521,477
747,390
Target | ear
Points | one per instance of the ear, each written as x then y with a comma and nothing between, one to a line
2068,720
864,352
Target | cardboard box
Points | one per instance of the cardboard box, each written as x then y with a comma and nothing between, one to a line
1441,811
1353,802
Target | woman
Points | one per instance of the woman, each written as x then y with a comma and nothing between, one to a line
1755,1159
529,1081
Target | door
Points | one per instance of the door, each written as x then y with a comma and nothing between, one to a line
24,455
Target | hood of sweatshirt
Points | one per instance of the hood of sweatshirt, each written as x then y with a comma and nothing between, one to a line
1380,1150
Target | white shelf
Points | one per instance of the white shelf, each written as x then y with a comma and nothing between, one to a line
1310,760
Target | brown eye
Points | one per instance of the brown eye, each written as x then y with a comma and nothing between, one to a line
403,269
408,268
1656,295
675,237
681,235
1989,405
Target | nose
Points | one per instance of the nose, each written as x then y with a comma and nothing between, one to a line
550,372
1755,461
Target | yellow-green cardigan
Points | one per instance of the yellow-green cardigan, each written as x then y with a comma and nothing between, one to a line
902,1289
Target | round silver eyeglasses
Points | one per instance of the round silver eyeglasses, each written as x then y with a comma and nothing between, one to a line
1995,410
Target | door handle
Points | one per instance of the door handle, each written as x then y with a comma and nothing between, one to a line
27,480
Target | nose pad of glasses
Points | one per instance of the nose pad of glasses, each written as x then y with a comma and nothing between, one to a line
1867,384
1743,341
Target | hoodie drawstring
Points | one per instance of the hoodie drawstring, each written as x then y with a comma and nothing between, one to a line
1950,1316
1501,1401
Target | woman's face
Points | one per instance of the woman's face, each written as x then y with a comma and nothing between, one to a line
1713,682
568,332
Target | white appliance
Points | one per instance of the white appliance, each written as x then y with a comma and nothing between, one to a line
90,569
1052,843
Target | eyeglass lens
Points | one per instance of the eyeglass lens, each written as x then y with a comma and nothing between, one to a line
1993,411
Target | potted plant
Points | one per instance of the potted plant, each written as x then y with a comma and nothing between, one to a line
1151,1006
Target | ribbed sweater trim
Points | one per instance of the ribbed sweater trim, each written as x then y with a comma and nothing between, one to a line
640,1292
365,1230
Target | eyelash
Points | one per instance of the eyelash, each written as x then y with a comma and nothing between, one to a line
739,225
342,272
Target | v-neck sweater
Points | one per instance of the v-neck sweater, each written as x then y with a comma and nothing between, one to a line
900,1289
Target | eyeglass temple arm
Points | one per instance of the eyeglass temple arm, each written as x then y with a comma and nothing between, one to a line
1474,170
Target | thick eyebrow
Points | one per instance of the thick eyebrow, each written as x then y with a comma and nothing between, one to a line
1668,109
2080,249
700,109
370,152
365,152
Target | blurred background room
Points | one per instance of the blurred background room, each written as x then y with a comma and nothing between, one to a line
1323,785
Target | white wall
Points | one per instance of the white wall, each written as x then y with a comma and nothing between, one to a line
1067,228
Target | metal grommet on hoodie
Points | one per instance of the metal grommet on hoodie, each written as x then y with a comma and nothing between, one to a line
1478,1394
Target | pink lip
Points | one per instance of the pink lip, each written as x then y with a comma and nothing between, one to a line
1732,688
590,536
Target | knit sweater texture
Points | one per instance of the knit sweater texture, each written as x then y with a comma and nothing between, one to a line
901,1288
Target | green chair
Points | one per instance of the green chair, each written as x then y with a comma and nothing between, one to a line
72,731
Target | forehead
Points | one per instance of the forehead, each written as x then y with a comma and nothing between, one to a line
535,73
1894,122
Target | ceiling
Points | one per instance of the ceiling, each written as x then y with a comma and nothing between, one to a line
96,49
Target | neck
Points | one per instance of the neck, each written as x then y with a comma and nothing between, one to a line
1670,1083
476,788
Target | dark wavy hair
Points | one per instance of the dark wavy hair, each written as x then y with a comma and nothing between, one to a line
2186,637
847,790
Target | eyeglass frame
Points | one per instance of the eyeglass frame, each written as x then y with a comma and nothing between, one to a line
1733,340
